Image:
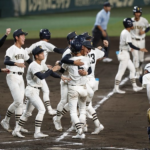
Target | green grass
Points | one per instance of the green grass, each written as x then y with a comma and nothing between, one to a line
61,24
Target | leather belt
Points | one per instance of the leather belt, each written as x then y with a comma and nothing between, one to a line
19,73
138,39
35,87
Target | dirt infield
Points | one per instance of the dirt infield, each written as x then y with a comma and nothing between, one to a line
123,116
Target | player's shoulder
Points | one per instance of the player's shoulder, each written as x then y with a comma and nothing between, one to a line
143,19
33,64
11,48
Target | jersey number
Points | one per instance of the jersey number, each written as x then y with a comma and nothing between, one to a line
93,58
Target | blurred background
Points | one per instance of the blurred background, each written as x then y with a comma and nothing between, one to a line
64,16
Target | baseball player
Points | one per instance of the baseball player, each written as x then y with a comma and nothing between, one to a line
124,57
15,59
95,55
37,72
140,27
2,40
45,36
77,91
146,84
64,85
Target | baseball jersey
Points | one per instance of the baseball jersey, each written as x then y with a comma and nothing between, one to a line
94,55
34,67
142,24
125,38
146,80
68,51
17,55
48,47
76,78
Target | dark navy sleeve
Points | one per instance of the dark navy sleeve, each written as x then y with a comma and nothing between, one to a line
42,76
29,61
8,62
147,29
134,47
66,60
59,50
2,40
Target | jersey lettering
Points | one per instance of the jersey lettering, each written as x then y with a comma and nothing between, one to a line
19,56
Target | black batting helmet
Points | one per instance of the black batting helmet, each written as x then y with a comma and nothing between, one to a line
128,22
45,34
137,9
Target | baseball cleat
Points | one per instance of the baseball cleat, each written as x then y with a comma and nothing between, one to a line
52,112
137,88
17,134
23,130
119,91
98,129
57,124
72,128
107,60
5,125
40,135
88,115
79,136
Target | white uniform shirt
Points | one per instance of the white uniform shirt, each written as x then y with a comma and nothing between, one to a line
34,67
94,55
146,80
125,38
142,24
17,55
48,47
68,51
76,79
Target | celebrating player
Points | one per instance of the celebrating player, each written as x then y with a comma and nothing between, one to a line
124,57
45,36
14,61
35,82
138,33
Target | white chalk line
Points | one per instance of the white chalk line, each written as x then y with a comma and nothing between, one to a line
97,106
115,148
20,141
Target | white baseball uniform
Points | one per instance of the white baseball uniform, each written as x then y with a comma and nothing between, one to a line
48,47
138,40
124,58
77,91
15,80
64,91
34,84
94,55
146,84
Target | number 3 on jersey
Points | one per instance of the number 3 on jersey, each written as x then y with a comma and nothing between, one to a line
92,58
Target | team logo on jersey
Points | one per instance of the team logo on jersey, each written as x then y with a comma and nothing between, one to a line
19,56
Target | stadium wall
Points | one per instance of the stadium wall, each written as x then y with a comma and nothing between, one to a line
10,8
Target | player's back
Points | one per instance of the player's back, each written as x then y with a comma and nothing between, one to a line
73,71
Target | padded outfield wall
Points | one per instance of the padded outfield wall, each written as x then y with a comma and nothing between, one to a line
10,8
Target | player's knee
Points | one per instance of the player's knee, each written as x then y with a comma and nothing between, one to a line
42,111
18,104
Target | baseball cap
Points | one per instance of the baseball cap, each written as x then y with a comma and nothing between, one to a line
147,67
88,44
87,36
71,35
107,4
19,32
37,50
